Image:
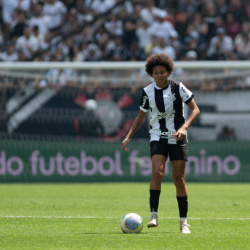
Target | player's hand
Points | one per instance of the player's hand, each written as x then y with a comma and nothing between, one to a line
180,134
124,144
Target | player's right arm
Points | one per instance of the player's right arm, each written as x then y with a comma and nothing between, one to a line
134,128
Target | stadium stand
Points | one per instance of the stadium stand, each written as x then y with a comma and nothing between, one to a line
110,30
70,30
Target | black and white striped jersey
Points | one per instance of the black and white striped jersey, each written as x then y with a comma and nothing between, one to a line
166,106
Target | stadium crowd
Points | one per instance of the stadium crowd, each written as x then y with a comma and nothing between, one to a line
131,30
115,30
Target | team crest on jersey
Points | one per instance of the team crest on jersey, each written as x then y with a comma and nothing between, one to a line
172,97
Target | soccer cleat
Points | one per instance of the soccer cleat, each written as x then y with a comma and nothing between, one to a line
153,221
184,228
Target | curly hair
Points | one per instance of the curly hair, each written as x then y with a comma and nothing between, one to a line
159,59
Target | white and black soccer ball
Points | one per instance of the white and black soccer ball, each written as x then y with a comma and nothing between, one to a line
90,105
131,223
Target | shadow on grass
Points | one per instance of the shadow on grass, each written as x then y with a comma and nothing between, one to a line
121,233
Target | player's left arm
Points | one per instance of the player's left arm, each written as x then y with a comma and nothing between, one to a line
181,132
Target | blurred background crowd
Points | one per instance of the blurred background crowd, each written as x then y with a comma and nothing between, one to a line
53,101
127,30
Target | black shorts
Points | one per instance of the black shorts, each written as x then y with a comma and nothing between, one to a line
177,151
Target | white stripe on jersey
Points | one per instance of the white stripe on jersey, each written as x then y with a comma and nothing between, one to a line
148,103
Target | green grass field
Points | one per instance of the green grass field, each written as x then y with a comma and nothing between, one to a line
87,216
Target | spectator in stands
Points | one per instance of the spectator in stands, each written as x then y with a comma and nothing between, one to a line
134,53
239,39
181,24
56,78
100,6
246,16
116,51
175,43
27,44
67,77
36,34
220,45
40,20
162,47
153,43
72,25
78,52
19,25
102,38
226,134
231,26
209,17
198,25
131,23
8,7
243,49
190,43
65,46
144,34
221,7
92,53
45,43
9,55
84,12
162,26
2,37
56,10
191,55
194,42
235,7
114,25
150,11
246,80
188,5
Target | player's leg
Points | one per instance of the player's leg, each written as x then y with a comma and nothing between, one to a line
179,179
178,156
158,168
178,175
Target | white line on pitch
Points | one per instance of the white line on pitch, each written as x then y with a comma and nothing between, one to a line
57,217
198,218
94,217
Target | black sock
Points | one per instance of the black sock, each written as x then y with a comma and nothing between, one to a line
183,205
154,200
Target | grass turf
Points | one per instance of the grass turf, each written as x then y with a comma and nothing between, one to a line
87,216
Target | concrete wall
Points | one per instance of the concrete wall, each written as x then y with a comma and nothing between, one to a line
219,109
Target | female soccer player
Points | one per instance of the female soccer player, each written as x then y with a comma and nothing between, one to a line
168,132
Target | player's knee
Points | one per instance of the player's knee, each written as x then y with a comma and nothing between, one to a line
179,181
158,175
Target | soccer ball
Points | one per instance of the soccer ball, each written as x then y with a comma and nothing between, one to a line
131,223
90,105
